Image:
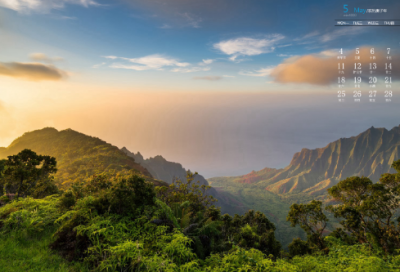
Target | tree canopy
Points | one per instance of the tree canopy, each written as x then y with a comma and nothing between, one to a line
111,223
370,212
28,173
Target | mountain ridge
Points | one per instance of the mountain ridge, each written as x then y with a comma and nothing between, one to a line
162,169
168,171
311,171
79,156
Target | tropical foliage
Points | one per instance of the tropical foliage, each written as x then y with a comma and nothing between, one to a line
126,223
370,212
28,174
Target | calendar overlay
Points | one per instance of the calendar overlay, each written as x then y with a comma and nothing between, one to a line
365,75
365,22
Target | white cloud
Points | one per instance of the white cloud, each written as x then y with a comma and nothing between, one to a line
228,76
130,67
328,53
190,69
191,19
166,26
110,57
233,58
208,78
98,65
248,46
208,61
42,6
158,61
284,45
68,18
258,73
154,62
180,20
345,31
308,36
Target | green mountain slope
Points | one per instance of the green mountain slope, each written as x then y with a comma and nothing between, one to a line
311,172
79,156
369,154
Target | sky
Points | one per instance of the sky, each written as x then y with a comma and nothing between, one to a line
222,87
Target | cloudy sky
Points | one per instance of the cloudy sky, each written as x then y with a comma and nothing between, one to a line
223,87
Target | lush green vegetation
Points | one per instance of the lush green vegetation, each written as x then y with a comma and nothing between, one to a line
252,196
78,156
111,223
309,175
28,174
26,234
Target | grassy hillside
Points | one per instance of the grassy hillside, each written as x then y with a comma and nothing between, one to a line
79,156
19,253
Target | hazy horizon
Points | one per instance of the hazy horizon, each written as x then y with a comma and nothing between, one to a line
222,87
216,134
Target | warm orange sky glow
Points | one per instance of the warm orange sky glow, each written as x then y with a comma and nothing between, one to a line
222,88
207,131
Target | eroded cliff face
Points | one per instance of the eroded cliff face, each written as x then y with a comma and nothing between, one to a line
369,154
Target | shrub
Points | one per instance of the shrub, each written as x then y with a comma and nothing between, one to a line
299,247
28,215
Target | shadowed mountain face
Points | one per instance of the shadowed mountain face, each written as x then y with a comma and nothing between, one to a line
162,169
167,171
311,172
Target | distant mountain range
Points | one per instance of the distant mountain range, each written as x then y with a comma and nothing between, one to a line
162,169
311,172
